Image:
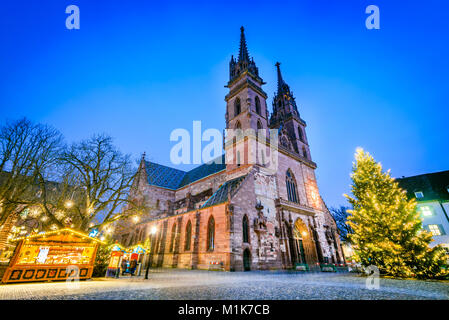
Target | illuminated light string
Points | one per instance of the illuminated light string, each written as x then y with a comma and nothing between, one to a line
129,250
57,232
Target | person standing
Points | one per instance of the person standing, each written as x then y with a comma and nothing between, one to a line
132,267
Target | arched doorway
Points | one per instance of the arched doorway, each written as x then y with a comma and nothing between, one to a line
246,260
303,243
300,232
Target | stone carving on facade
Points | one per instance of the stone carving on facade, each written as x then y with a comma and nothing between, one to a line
260,223
277,232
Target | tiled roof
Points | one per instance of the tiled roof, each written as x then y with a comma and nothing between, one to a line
163,176
166,177
202,171
221,195
434,186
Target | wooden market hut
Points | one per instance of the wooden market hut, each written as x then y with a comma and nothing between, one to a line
52,256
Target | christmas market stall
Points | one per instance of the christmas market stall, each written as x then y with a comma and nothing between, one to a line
138,254
51,256
117,252
125,261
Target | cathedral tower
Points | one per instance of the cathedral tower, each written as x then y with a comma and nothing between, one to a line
286,118
246,106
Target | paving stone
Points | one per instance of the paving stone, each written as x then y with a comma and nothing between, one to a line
202,285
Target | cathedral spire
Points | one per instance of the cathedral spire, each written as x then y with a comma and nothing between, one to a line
243,62
280,80
283,102
243,51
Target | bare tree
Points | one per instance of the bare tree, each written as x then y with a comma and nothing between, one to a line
95,179
52,185
26,151
341,217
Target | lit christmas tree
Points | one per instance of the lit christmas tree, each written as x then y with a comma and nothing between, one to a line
387,229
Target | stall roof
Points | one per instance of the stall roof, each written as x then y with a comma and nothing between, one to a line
56,232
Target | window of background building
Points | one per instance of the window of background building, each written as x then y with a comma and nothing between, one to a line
426,211
435,229
419,194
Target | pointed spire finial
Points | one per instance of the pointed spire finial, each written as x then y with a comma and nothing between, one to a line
243,63
243,51
280,80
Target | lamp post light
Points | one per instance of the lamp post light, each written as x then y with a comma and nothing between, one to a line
68,204
153,231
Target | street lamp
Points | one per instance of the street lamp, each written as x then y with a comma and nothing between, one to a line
153,231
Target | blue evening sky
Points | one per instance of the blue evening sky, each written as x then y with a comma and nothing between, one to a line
139,69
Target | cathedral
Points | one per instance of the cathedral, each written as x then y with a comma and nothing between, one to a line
234,213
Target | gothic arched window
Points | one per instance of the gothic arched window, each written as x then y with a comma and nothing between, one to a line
172,239
188,236
300,135
258,105
304,152
259,125
245,226
237,108
159,243
211,234
292,193
284,142
238,125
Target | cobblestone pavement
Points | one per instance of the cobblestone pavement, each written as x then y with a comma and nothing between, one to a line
188,284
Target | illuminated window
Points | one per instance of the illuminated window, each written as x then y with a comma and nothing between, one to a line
426,211
435,229
419,194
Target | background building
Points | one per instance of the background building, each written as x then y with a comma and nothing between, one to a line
432,194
